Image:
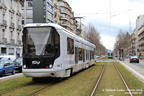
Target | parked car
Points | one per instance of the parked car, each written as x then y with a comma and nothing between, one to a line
18,63
6,66
8,57
134,59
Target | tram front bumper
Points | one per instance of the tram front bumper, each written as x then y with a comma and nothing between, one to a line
43,72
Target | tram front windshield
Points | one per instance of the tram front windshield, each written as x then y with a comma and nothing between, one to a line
38,41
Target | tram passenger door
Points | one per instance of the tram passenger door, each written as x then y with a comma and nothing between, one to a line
76,58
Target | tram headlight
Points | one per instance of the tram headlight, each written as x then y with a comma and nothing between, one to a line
50,66
24,66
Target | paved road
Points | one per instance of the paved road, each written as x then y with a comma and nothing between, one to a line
9,76
140,64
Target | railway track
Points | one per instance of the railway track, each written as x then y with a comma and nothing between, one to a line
37,92
15,88
31,83
98,81
93,92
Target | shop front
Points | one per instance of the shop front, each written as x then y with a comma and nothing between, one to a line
11,50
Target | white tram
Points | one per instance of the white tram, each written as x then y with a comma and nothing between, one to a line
50,50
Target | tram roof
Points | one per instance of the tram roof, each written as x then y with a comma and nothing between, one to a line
59,27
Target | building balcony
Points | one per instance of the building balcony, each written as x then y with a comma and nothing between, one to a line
19,27
19,42
4,23
12,41
51,2
12,25
4,40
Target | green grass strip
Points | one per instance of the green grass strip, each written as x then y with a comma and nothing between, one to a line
106,58
13,83
111,83
81,84
133,82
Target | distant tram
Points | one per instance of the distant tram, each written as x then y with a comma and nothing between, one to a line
110,55
50,50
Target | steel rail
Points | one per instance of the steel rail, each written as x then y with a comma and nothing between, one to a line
15,88
37,92
123,80
92,94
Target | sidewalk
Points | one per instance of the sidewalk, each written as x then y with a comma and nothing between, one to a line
137,71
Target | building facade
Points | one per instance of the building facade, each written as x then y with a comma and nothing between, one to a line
27,12
141,39
43,11
10,27
66,16
139,23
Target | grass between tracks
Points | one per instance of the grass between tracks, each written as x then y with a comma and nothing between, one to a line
80,84
13,83
106,58
111,83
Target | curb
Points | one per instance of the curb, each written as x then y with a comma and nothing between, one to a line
11,76
138,75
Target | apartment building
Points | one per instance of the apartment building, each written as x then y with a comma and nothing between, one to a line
10,27
57,12
133,42
139,24
66,16
37,11
43,11
141,39
27,12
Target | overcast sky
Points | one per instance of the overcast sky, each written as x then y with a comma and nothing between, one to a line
97,12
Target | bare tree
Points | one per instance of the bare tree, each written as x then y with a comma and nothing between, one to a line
93,36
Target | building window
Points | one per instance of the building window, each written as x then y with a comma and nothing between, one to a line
62,22
29,20
3,51
23,21
11,3
3,34
29,3
29,13
17,7
11,51
61,3
3,16
22,5
62,15
18,36
62,9
11,35
70,46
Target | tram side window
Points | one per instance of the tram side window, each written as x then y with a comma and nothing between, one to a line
87,55
57,44
76,55
70,46
83,55
91,55
80,54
